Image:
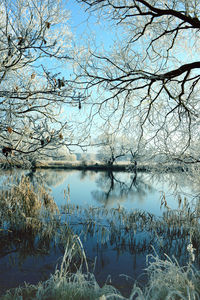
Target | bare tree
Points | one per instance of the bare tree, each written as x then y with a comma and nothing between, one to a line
112,148
149,81
34,38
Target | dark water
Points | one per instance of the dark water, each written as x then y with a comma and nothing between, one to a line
30,257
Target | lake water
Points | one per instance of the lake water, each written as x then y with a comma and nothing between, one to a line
142,191
116,255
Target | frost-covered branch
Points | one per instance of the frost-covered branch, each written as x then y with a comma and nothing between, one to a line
148,82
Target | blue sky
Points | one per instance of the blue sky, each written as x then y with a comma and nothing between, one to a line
103,32
83,26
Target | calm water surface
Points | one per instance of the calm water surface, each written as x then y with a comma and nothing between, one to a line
142,191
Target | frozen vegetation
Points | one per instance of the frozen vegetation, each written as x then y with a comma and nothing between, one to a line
27,209
167,280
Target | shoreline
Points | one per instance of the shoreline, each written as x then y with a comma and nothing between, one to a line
98,166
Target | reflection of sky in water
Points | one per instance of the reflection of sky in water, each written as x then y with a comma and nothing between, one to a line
115,256
80,190
112,190
92,189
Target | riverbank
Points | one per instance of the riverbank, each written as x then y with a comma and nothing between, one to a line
98,166
101,166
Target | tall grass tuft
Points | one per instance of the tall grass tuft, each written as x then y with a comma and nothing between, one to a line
169,281
64,285
30,222
22,204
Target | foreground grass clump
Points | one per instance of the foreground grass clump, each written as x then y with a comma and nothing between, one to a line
64,285
169,281
76,287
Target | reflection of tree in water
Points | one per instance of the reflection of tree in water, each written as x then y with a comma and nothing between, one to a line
87,174
117,187
181,185
177,182
54,178
50,178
